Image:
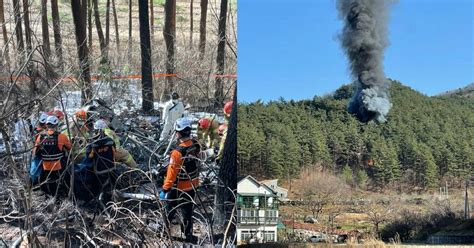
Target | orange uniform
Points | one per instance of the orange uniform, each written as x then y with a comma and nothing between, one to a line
175,176
49,146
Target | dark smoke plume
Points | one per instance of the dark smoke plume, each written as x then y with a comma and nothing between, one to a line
364,39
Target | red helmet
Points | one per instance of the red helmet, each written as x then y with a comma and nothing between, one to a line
58,113
204,123
228,108
221,129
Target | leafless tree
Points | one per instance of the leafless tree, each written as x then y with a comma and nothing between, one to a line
18,32
319,189
89,23
202,29
378,214
26,20
107,24
117,37
100,33
225,195
130,30
6,54
79,12
169,34
191,24
45,28
57,30
145,47
152,19
219,88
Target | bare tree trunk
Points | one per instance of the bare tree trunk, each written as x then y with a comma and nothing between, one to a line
145,46
107,24
219,87
18,31
129,30
89,24
152,20
6,55
117,37
169,34
79,14
225,200
191,20
32,73
202,29
100,33
45,28
57,30
26,19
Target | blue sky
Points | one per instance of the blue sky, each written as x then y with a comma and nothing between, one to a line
290,48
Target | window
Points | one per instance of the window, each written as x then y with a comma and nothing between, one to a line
269,236
263,201
270,213
247,216
248,213
245,235
271,216
247,201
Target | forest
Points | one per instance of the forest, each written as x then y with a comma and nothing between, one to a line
427,141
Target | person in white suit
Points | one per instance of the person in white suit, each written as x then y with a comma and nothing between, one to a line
172,110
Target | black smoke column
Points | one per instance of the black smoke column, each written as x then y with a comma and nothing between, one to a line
364,39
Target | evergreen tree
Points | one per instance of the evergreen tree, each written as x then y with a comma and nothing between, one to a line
424,140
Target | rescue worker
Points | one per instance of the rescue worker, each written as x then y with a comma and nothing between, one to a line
207,131
58,113
41,126
97,170
172,110
227,110
121,155
50,147
182,178
222,132
80,130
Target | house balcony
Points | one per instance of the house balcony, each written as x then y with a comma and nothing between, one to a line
244,220
249,205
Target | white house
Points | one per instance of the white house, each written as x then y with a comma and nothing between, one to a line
282,193
257,212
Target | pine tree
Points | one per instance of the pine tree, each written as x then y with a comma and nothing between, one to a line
347,174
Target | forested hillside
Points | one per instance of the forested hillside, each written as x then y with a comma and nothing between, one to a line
425,142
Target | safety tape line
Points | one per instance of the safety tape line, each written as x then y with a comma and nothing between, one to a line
96,78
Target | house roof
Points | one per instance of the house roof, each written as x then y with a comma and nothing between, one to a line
269,180
277,187
257,183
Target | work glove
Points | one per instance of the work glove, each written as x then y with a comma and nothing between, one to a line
163,194
81,166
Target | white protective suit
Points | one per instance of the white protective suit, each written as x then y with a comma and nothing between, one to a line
22,134
172,110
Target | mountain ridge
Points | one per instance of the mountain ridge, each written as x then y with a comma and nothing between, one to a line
426,140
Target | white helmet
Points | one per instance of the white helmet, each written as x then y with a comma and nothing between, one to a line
43,117
52,120
181,124
100,125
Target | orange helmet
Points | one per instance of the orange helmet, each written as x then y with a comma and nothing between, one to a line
228,108
204,123
81,114
222,128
